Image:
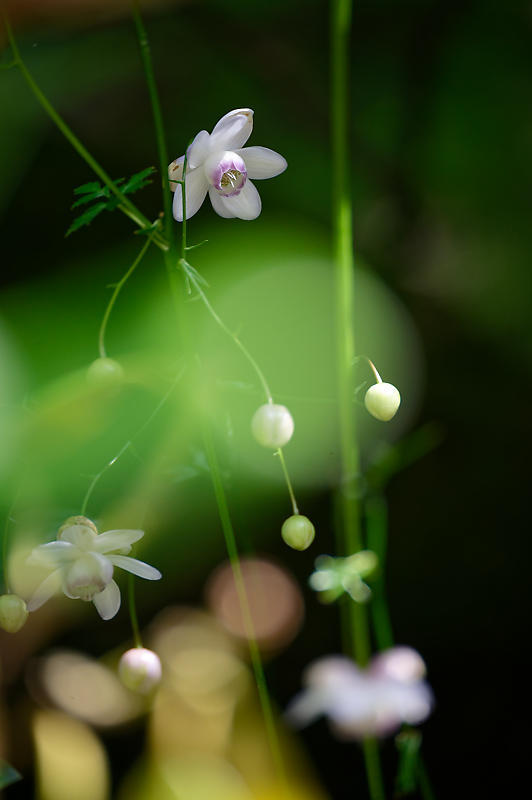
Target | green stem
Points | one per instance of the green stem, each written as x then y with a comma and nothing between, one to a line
133,611
295,509
377,540
157,116
425,786
129,443
345,343
118,288
228,331
373,768
126,205
254,652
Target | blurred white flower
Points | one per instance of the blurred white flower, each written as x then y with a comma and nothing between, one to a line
82,562
217,163
370,702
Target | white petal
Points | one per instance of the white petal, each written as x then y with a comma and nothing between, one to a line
45,590
117,540
175,172
218,205
198,150
139,568
246,205
107,602
232,130
53,553
305,707
196,189
261,162
79,535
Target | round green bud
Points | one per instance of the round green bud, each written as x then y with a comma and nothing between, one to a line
272,425
382,401
298,532
79,520
13,612
140,669
104,372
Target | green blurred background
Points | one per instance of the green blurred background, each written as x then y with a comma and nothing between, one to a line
441,172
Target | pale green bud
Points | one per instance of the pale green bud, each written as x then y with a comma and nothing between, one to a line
382,401
78,520
105,372
13,612
298,532
140,669
272,425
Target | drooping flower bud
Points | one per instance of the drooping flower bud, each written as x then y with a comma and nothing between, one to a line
140,669
298,532
105,372
272,425
13,612
382,401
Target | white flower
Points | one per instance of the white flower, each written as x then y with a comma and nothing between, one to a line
218,163
82,563
370,702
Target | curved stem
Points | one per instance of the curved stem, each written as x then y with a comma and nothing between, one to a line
280,453
228,331
126,205
117,289
129,443
254,652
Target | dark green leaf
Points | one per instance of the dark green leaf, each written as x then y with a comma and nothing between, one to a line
86,218
93,186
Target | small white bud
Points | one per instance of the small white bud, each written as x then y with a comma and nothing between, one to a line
298,532
272,425
104,372
140,669
13,612
382,401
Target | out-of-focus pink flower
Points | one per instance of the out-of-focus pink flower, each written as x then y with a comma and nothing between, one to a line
371,702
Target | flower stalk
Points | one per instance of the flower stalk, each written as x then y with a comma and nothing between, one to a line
341,11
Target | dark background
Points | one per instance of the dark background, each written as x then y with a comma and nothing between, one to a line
441,168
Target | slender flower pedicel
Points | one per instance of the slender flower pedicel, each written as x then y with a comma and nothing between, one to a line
82,562
218,163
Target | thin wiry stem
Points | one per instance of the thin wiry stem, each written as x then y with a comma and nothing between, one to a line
157,116
345,345
133,611
295,508
125,205
116,292
129,443
254,652
206,302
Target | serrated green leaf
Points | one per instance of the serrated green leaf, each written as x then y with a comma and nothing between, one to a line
93,186
8,775
86,218
138,180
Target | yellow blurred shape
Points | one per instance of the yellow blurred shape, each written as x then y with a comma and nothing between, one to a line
201,776
203,680
71,762
86,689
